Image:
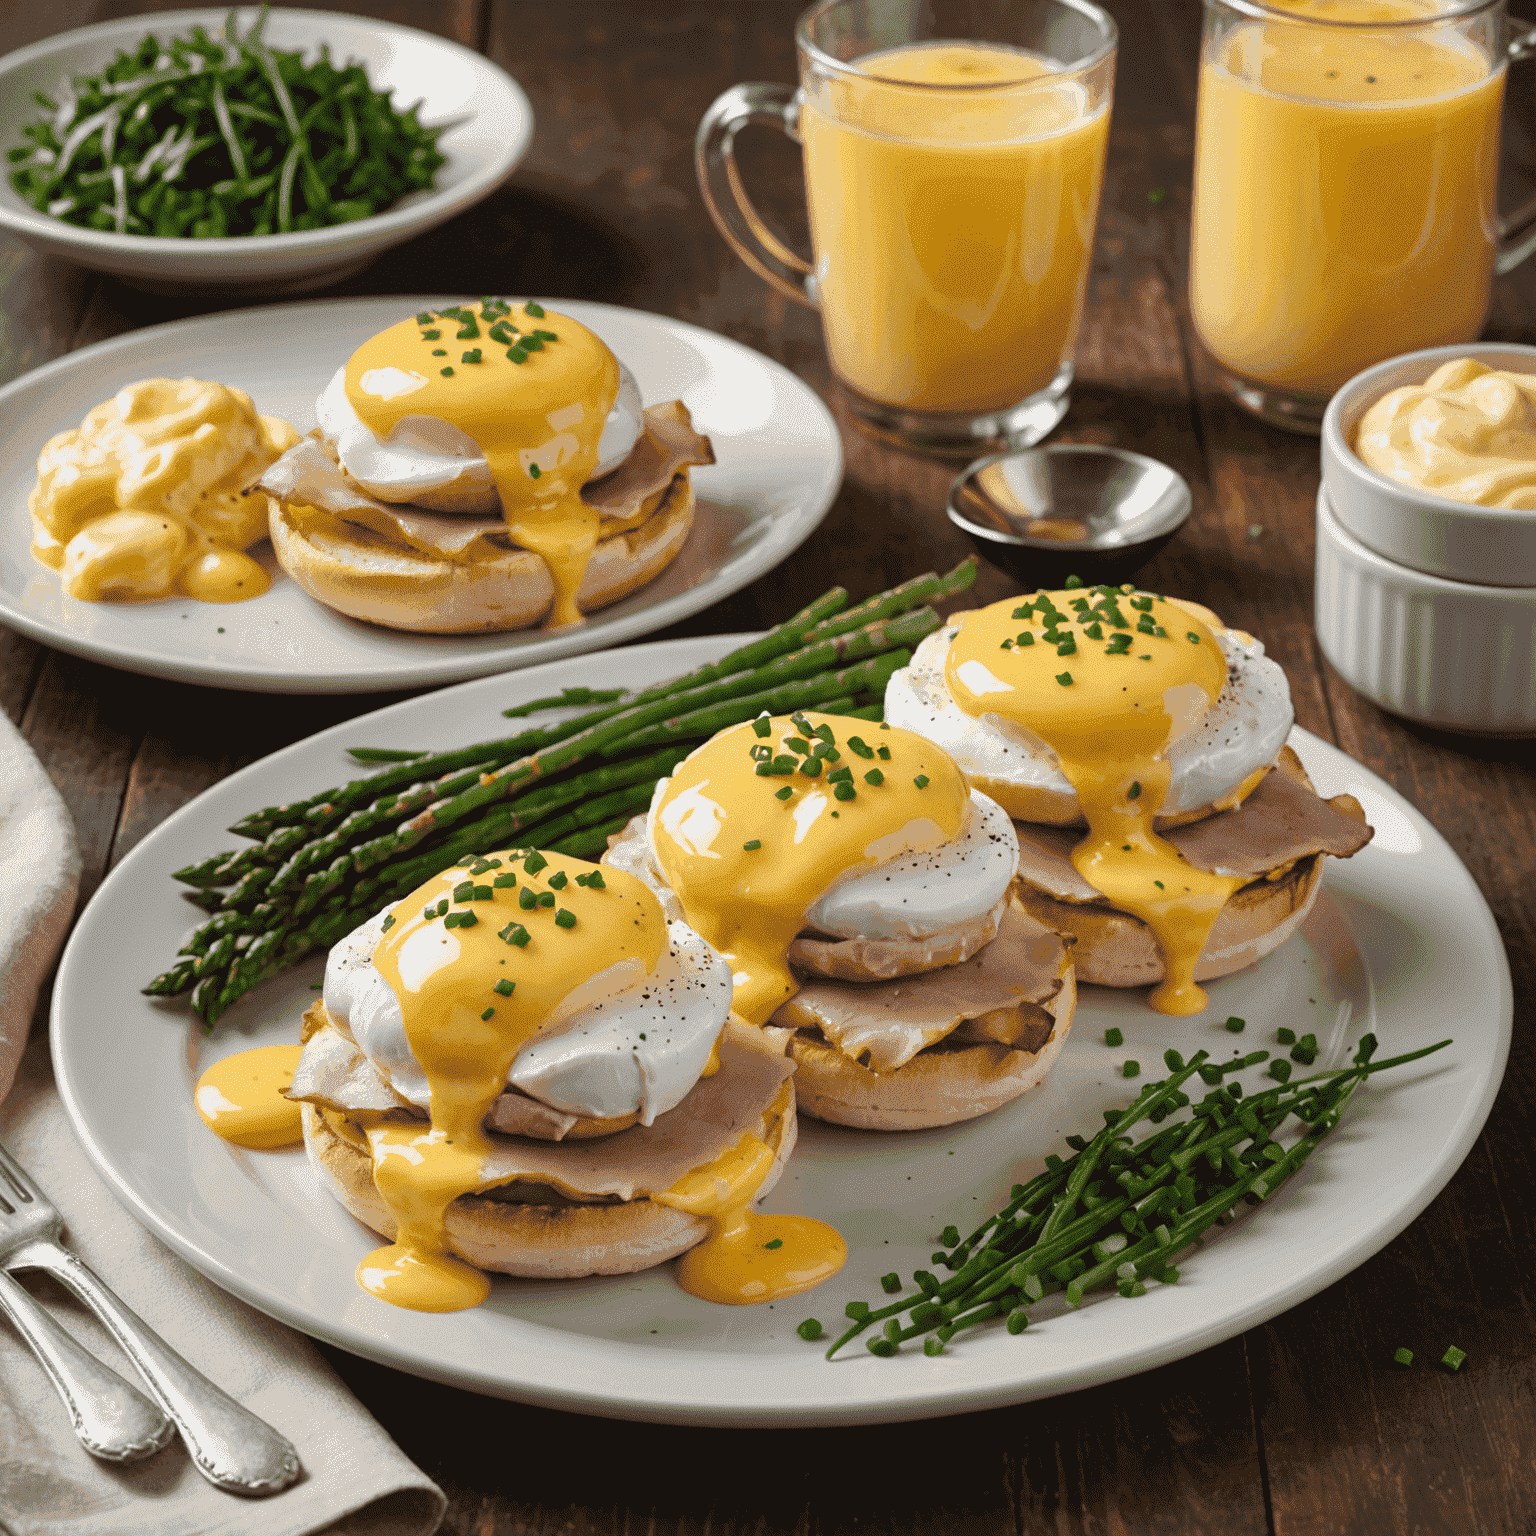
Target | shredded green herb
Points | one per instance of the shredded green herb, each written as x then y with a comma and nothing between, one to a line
209,136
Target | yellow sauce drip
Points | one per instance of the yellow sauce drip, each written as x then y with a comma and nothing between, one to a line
748,1257
465,1035
146,497
750,902
1110,718
538,422
241,1098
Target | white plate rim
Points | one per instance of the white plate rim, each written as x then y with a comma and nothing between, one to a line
732,1392
333,242
820,438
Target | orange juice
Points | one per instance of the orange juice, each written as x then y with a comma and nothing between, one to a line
1344,193
952,228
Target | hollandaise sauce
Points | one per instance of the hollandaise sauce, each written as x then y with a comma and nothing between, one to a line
479,961
749,1257
242,1099
532,388
1109,679
148,496
768,815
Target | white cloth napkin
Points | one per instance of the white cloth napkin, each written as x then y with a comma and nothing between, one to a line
356,1481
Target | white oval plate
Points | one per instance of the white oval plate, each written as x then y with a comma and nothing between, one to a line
779,465
1400,942
487,122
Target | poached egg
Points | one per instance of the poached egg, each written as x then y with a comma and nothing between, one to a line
828,823
532,396
1116,708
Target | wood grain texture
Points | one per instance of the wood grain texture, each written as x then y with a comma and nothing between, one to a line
1302,1426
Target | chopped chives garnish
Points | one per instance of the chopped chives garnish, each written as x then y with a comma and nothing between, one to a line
1403,1356
563,918
890,1283
533,309
1131,1069
921,781
1114,1037
809,1330
527,899
534,471
844,791
1236,1025
1452,1359
776,1242
546,898
1064,678
753,846
762,726
1134,792
535,862
489,1013
471,356
860,747
504,987
883,753
1285,1036
874,776
783,794
514,933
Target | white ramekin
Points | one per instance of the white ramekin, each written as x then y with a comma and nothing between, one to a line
1494,546
1452,654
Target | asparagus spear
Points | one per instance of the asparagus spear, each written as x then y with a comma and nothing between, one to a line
295,891
819,620
781,638
885,624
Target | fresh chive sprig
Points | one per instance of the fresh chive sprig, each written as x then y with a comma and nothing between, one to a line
1118,1211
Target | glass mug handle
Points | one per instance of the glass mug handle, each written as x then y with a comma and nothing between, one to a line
714,158
1517,233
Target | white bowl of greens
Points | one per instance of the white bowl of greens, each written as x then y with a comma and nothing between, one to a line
219,163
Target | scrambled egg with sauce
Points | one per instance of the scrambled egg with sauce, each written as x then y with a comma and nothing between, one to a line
148,495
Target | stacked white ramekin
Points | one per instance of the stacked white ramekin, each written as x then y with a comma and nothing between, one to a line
1426,605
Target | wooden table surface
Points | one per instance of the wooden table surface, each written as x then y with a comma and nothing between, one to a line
1301,1426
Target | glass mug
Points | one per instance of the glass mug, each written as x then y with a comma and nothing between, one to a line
953,154
1346,166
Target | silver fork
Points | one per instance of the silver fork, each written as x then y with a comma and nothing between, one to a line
110,1419
229,1445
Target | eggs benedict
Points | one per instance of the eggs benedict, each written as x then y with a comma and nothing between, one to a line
524,1066
150,495
859,891
483,467
1140,747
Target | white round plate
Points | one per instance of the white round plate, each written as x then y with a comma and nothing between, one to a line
779,464
487,122
1400,943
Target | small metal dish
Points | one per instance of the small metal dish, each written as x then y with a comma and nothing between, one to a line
1073,509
